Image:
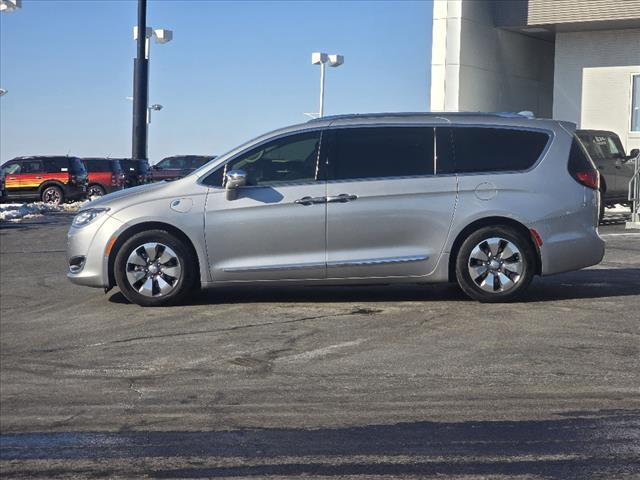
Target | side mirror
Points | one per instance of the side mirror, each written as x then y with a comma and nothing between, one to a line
633,153
235,179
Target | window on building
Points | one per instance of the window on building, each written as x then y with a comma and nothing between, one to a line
375,152
635,104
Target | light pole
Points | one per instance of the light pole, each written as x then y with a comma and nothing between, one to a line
9,6
319,58
141,80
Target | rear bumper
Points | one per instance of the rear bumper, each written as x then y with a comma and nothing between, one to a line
571,252
570,238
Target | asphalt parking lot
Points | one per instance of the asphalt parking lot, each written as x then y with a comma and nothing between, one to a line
342,382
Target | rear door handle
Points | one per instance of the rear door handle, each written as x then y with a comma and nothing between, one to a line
342,198
310,200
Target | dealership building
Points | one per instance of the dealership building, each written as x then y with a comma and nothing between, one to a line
575,60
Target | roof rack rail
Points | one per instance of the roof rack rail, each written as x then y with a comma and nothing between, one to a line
522,114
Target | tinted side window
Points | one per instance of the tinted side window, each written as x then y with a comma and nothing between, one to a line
98,165
115,166
197,162
32,166
290,159
128,166
611,149
56,165
375,152
479,149
12,168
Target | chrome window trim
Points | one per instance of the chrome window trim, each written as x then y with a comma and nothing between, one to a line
550,133
378,261
267,268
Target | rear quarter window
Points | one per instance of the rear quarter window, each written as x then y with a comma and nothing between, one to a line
488,149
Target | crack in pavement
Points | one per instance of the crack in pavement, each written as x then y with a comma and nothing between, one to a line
358,311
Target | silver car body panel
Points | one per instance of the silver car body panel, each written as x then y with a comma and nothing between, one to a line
397,230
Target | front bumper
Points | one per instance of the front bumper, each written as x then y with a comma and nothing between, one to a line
90,243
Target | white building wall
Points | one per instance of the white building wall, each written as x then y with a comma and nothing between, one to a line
477,67
592,85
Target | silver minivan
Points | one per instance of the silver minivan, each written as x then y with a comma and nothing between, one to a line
487,200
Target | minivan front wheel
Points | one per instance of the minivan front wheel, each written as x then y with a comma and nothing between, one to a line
155,268
495,264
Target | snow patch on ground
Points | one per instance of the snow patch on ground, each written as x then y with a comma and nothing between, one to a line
16,212
618,209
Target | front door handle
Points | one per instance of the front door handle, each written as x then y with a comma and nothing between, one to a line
38,178
342,198
310,200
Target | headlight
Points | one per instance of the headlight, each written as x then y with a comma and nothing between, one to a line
87,216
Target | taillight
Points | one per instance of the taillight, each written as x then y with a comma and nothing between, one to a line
589,179
581,168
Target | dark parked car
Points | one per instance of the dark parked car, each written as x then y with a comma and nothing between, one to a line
2,192
105,176
607,152
136,172
177,166
47,178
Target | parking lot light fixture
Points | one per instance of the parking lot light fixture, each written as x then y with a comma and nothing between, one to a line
155,107
10,6
3,92
320,58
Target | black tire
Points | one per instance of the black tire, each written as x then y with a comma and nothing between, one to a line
52,194
483,286
185,282
95,190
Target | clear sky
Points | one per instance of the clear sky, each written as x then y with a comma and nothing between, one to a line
233,70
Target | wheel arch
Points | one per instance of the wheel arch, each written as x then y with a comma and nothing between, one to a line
51,183
98,184
145,226
488,222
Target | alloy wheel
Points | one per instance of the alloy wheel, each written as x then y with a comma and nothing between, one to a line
94,192
153,269
496,265
52,196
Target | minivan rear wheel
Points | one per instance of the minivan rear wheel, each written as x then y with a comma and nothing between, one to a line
154,268
495,264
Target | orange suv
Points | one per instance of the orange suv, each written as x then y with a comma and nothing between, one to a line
49,179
